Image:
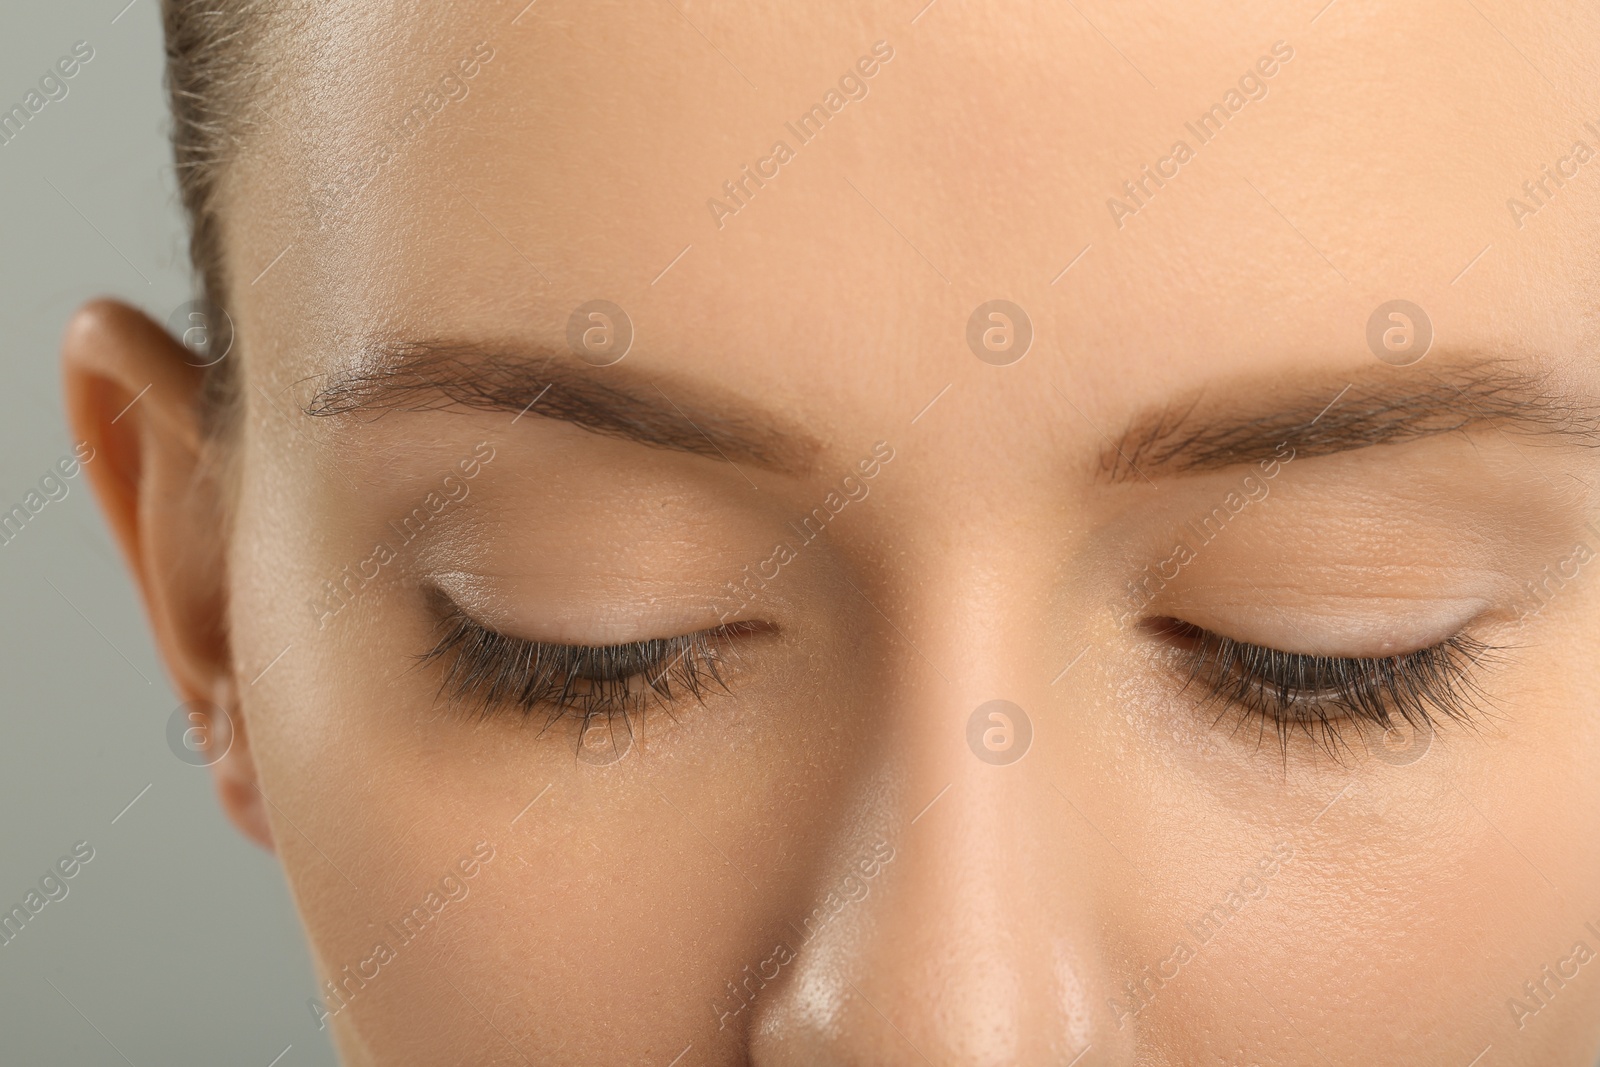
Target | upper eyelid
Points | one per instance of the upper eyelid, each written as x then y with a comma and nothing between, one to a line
446,610
1178,627
620,646
710,632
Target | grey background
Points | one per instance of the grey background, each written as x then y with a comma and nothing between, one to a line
178,942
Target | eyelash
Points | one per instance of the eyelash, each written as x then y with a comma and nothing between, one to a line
1316,694
1288,690
499,672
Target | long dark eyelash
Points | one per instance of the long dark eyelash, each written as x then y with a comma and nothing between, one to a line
1318,695
495,672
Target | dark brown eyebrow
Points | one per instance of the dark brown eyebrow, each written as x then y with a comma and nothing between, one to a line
433,375
1204,433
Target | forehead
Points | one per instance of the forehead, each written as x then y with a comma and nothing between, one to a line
471,169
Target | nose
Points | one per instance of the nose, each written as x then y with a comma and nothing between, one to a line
957,921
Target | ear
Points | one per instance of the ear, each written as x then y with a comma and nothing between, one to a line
133,400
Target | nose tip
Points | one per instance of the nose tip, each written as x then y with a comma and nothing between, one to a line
970,945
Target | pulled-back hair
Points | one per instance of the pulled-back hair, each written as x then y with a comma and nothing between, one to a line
214,80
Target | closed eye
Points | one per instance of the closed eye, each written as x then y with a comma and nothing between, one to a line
1319,695
497,672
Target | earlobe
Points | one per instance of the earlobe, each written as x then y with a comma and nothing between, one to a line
133,398
234,768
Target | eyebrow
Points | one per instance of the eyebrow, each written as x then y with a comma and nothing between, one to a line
1201,434
434,375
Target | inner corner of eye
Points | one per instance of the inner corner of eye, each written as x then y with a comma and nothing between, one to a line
440,597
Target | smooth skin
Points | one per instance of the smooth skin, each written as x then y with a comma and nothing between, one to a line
1381,909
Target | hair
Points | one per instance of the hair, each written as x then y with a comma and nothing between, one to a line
213,75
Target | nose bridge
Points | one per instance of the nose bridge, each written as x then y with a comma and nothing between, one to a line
974,939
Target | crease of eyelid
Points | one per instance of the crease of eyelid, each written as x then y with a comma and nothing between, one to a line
1317,694
414,376
500,672
1181,437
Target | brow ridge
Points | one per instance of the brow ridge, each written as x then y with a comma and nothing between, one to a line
432,375
1190,436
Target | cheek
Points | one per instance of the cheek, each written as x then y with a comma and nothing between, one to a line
1418,902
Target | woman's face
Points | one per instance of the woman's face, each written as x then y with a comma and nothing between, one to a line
858,505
